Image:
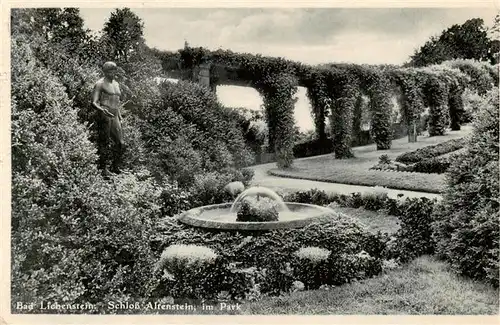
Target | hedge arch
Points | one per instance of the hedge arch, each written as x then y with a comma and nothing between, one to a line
456,82
273,78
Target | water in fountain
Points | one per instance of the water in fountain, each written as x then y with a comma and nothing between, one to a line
223,216
259,192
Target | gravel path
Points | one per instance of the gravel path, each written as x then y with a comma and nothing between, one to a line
261,178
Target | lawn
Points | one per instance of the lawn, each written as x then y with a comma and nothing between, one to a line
356,171
373,220
425,286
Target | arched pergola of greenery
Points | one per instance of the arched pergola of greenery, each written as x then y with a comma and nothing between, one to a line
336,90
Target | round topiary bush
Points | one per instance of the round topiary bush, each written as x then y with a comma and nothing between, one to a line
258,210
311,266
192,272
177,259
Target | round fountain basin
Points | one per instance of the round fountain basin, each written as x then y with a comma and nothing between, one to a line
219,216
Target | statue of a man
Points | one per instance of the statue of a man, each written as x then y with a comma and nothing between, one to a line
106,98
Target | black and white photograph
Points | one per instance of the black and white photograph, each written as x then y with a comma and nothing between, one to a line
247,161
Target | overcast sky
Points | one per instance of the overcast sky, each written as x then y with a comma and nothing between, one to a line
308,35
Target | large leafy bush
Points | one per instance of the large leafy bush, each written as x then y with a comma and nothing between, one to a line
467,225
218,135
75,237
187,132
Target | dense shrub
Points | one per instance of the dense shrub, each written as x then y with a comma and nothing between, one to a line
467,221
374,199
384,159
431,151
311,266
209,188
251,125
315,267
481,80
312,196
199,106
471,101
415,235
174,200
75,237
187,132
414,238
313,147
434,165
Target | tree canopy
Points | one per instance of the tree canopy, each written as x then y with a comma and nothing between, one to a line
467,41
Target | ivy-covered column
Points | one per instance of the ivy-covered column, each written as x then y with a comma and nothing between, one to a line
456,106
411,103
344,91
437,99
357,117
278,92
320,103
381,109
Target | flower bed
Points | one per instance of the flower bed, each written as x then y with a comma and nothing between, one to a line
434,165
431,151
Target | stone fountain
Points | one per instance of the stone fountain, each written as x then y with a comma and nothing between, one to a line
224,216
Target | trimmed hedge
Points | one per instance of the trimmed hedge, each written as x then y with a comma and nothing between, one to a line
435,165
431,151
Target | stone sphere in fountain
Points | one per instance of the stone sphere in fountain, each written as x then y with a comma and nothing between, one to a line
225,216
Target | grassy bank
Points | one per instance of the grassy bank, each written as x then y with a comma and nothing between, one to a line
424,287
